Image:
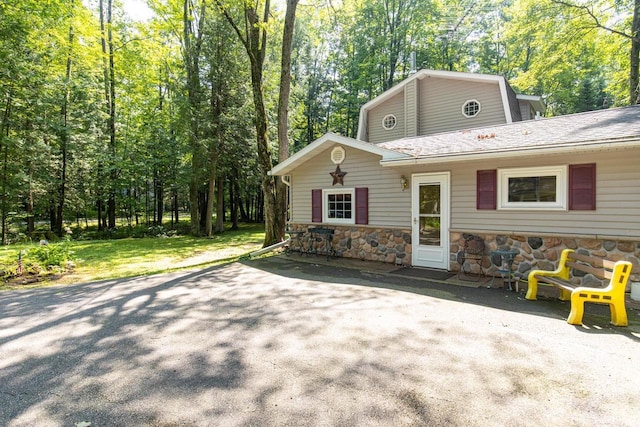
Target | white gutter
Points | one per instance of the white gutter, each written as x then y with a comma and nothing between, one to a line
514,152
286,181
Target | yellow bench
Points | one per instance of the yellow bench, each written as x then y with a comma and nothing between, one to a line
612,294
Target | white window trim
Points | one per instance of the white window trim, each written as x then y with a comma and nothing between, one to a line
395,122
465,104
561,174
325,206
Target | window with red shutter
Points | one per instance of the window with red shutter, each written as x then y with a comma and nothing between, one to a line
582,187
486,189
362,205
316,205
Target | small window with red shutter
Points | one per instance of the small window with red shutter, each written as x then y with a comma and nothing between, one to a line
340,206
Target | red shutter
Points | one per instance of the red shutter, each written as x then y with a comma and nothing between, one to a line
582,187
362,206
316,205
486,189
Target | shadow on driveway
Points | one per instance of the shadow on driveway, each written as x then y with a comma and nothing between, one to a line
277,342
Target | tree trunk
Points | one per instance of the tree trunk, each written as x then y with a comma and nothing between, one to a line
113,173
283,120
254,39
99,209
5,178
234,199
176,207
220,205
64,140
159,201
202,206
109,81
192,43
31,222
4,133
210,198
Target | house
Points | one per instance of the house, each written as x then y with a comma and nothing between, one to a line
444,155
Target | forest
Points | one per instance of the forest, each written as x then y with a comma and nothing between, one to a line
111,121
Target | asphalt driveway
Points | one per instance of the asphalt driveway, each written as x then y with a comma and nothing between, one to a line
276,342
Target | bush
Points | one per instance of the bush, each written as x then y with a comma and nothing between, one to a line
52,255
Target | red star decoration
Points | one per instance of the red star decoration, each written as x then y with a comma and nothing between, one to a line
338,176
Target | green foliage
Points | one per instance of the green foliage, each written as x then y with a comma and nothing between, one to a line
102,259
52,255
345,53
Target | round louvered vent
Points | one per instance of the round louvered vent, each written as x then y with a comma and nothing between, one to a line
337,155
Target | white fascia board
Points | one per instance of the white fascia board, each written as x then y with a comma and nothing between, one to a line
516,152
505,99
319,144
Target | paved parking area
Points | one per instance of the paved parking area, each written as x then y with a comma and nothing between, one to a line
276,342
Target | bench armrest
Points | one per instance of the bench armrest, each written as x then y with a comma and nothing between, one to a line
562,272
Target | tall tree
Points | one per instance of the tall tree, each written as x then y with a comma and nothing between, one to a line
598,12
64,134
253,36
194,18
283,110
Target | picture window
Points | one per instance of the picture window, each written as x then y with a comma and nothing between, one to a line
533,188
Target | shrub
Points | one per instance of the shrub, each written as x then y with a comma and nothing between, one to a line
52,255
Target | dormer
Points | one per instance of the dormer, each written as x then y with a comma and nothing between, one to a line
430,102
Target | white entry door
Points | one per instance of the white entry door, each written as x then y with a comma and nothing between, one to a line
430,217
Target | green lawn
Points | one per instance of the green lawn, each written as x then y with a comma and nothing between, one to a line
108,259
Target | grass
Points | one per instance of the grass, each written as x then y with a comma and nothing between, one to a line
110,259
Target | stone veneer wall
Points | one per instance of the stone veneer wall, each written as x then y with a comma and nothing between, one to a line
543,253
362,242
534,253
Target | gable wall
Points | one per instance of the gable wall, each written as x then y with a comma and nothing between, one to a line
388,204
441,103
395,105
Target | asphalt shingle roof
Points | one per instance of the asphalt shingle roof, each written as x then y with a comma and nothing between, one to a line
594,127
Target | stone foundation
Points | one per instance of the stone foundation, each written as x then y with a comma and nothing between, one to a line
361,242
392,245
543,253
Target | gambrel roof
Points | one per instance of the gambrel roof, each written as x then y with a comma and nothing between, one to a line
507,95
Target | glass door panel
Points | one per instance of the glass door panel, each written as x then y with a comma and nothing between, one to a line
430,229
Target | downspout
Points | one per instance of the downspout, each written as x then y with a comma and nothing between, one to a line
286,180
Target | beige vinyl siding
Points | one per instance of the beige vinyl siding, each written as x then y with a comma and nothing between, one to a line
514,107
411,108
617,194
441,103
375,131
526,110
388,204
617,199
